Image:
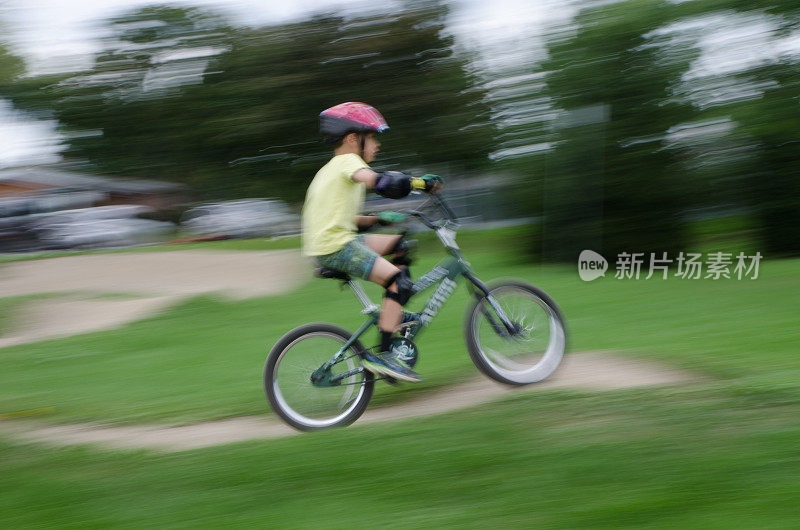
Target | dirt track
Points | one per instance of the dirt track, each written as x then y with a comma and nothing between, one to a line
154,281
585,371
161,278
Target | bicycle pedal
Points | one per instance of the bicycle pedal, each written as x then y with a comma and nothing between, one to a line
405,325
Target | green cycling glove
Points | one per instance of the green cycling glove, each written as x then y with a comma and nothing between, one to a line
389,217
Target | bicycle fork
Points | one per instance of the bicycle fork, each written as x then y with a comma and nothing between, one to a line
508,328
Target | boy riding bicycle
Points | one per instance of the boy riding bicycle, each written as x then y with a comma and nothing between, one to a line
331,221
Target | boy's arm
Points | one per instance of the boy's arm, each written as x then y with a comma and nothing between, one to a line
365,222
367,176
396,185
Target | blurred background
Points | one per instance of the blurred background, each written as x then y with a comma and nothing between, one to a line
619,126
639,126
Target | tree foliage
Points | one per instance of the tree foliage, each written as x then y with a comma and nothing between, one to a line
10,66
178,94
612,184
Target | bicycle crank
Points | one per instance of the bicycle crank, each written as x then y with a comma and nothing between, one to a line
405,350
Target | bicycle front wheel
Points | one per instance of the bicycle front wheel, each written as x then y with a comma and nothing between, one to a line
528,352
287,378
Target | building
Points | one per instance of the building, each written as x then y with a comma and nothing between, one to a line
45,183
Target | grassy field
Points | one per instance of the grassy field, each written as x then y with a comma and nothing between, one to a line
720,453
640,459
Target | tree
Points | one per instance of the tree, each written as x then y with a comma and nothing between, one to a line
612,184
772,183
133,100
402,64
769,123
755,161
177,94
11,66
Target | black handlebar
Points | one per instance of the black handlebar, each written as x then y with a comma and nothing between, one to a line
428,222
444,207
421,216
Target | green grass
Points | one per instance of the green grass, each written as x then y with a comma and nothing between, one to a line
7,308
10,305
636,459
203,359
718,453
731,233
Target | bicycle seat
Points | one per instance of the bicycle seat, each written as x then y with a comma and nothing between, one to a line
325,272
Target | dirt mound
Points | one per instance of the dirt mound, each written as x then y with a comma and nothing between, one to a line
237,274
151,281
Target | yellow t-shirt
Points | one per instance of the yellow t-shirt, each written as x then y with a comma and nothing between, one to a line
333,201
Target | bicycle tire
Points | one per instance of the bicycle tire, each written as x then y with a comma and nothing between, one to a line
529,366
279,401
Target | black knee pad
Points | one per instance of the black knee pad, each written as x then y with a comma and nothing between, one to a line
403,251
404,287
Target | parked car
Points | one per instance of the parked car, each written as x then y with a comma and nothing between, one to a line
48,201
121,232
242,218
42,220
16,235
117,211
100,226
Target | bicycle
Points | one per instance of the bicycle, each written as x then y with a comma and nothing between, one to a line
313,378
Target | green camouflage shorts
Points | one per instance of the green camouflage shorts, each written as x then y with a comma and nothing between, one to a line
355,258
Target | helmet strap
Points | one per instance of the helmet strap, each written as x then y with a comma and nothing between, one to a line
363,141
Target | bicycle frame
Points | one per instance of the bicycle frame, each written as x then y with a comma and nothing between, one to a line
444,274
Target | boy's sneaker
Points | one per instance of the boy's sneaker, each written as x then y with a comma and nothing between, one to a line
387,364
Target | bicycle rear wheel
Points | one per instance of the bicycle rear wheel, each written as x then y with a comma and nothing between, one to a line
532,350
287,378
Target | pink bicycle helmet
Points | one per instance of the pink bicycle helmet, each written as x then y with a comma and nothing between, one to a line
349,117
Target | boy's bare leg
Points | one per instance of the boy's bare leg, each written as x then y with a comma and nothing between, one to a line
382,243
391,315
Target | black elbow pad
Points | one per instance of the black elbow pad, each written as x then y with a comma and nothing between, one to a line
393,184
